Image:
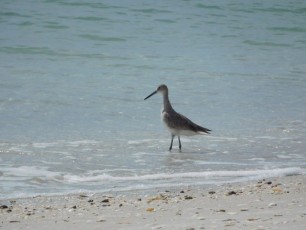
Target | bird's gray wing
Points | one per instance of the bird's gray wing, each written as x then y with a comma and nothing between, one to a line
178,121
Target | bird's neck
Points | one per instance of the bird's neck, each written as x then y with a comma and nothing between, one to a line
167,104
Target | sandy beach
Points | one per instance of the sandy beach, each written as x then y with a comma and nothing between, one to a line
274,203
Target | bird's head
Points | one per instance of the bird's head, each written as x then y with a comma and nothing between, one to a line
160,89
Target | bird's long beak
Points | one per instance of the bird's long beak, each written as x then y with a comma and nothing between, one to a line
151,95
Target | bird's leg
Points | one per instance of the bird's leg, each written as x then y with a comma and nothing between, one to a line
172,137
180,145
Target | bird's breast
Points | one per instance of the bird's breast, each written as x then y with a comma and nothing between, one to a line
164,115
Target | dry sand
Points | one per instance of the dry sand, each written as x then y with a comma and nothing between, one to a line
277,203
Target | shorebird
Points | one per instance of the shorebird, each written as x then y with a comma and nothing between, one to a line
177,124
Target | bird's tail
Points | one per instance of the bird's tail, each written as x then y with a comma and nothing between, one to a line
203,130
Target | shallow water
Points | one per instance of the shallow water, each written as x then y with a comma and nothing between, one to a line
74,75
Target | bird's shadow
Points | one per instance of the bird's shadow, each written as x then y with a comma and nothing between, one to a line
190,151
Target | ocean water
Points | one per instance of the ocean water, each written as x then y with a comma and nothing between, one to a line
73,76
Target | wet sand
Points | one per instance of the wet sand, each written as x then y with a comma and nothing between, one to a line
274,203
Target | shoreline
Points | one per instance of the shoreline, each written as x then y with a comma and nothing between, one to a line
274,203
